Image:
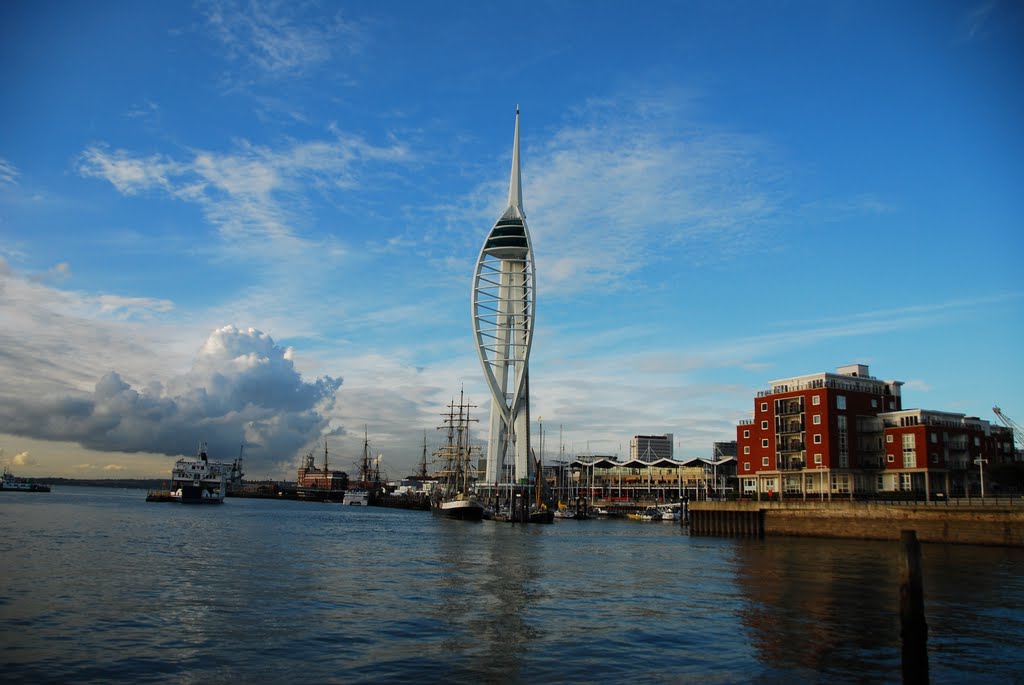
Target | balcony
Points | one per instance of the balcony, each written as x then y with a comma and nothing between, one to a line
871,462
792,464
789,427
789,407
788,447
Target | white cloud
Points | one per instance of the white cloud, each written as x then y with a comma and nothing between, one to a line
917,385
8,173
278,38
242,388
975,23
23,459
254,194
626,182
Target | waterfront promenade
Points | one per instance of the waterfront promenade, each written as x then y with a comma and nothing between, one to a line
979,522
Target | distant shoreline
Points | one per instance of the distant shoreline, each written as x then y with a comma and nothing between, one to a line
141,483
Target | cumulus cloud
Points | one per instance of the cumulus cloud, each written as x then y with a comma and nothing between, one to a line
23,459
242,389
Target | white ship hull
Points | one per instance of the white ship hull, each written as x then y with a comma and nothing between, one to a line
462,509
356,498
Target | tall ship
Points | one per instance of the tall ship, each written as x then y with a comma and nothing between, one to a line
454,496
320,485
198,480
12,482
370,483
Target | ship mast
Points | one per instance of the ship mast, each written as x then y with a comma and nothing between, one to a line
423,464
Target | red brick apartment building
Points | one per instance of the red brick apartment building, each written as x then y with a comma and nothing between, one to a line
846,432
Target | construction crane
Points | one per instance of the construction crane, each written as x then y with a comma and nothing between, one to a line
1018,432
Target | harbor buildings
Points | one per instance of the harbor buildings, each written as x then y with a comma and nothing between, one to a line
320,484
845,433
650,447
503,308
720,450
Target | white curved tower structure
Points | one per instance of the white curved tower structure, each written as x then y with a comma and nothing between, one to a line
503,312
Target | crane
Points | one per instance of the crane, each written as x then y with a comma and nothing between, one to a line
1018,432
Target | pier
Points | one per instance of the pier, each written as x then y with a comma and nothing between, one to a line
992,523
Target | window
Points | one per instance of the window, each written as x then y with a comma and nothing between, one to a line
764,425
764,406
890,458
905,482
888,438
909,451
934,438
935,458
746,433
817,439
764,461
817,420
874,403
746,466
816,400
817,458
764,442
843,439
746,449
841,402
977,441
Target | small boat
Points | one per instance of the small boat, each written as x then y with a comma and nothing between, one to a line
356,498
12,482
669,512
648,514
198,480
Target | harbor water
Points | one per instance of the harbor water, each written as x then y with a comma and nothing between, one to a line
101,587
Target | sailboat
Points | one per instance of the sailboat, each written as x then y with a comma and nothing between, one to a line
364,491
453,497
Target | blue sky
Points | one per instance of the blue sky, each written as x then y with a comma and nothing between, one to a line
257,222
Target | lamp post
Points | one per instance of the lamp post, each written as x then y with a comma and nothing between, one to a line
981,473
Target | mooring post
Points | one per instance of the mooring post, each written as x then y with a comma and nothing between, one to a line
913,627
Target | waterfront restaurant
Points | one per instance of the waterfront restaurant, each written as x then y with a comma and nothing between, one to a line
663,480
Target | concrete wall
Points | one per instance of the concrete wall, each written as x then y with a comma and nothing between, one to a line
975,525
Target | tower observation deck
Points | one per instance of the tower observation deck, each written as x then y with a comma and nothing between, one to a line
504,286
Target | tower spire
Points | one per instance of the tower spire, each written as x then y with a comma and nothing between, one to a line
515,186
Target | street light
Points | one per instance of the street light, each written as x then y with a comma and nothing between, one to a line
981,473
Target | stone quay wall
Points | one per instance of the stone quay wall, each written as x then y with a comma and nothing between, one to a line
969,524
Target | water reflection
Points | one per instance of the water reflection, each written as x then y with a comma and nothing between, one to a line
109,589
821,605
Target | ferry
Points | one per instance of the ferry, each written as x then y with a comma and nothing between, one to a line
357,498
199,480
12,482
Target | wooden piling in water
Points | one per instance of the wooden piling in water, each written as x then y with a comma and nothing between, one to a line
913,627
